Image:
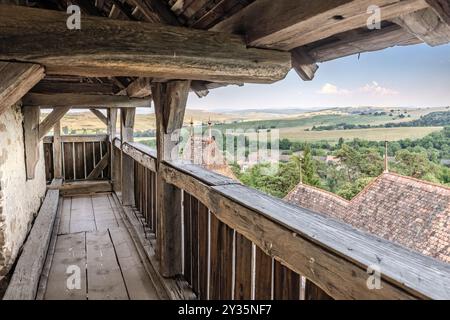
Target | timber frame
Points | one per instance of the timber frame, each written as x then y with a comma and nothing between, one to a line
207,236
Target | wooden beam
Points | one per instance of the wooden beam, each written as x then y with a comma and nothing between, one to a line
99,167
16,80
100,116
111,131
170,104
367,40
156,11
52,118
57,158
52,87
83,101
426,25
31,139
303,64
139,88
25,279
286,24
150,50
442,9
84,187
127,117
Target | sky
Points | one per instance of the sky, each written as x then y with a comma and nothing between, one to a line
413,76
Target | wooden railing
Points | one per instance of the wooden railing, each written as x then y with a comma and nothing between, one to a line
238,243
80,157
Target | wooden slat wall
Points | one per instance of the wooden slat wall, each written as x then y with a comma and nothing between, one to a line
145,194
79,158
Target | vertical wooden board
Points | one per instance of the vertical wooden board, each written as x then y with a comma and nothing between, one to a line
194,244
68,161
203,240
82,215
89,150
104,152
154,203
243,268
136,184
286,283
64,225
48,156
221,260
263,275
70,251
105,280
146,193
313,292
79,161
138,282
97,154
103,213
187,237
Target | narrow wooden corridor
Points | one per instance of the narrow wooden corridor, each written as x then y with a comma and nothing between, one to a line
92,237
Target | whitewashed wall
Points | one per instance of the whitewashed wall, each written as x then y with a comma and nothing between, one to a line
19,199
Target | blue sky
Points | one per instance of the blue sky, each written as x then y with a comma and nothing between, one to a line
397,77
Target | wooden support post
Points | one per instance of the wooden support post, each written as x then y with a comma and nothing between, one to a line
57,170
55,116
170,102
111,115
127,173
31,138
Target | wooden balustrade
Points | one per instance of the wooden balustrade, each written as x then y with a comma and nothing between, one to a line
82,157
238,243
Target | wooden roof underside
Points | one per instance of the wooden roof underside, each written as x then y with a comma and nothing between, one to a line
312,31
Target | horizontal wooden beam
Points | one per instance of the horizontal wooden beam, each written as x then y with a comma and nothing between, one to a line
128,48
286,24
53,87
16,79
426,25
78,138
83,101
330,253
367,40
84,187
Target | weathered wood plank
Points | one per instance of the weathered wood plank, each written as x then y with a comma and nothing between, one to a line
64,225
187,226
70,251
303,64
142,154
78,138
31,137
286,283
105,281
263,275
221,252
57,156
82,217
203,255
62,100
17,79
101,165
138,282
286,24
127,117
243,267
25,279
150,50
313,292
56,87
85,187
426,25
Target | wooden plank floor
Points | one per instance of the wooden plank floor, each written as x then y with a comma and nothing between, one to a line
95,257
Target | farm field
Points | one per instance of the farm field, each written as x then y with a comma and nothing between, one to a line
372,134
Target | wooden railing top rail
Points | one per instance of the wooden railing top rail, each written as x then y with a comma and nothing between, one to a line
332,254
78,138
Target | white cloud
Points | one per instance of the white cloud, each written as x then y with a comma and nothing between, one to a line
329,88
375,89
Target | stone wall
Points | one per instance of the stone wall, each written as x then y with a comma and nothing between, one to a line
19,199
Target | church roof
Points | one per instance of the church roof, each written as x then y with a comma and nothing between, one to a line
411,212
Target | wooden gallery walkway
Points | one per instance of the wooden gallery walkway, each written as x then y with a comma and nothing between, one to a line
93,239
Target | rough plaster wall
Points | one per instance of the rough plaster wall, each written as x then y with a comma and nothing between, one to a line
19,199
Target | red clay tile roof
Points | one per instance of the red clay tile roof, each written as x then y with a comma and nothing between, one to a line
206,153
410,212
